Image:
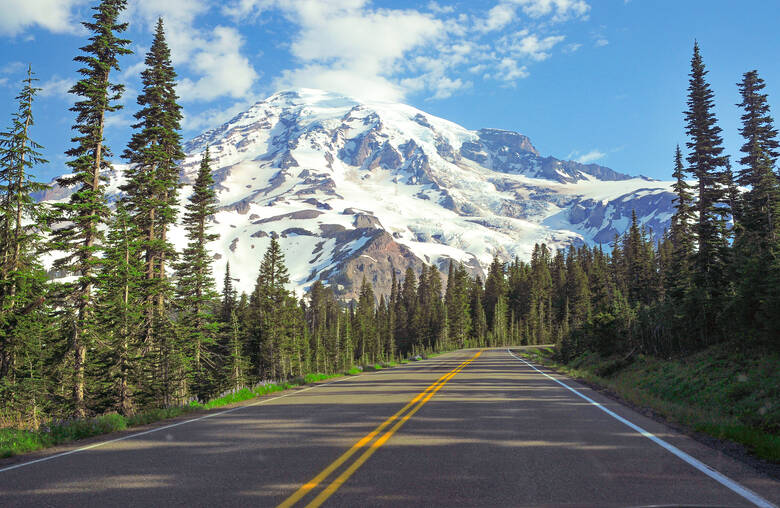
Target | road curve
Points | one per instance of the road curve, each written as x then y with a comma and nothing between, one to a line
463,429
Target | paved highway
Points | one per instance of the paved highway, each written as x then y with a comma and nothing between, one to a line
470,428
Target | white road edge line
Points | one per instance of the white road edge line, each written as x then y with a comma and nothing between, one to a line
158,429
704,468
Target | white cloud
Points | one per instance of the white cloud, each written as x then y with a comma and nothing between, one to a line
601,42
345,47
56,86
498,17
223,69
533,47
351,47
586,158
54,15
347,81
510,70
213,57
12,68
119,119
212,117
440,9
561,10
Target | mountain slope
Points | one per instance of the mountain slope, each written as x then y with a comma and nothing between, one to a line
356,190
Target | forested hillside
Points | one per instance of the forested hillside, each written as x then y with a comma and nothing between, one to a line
134,325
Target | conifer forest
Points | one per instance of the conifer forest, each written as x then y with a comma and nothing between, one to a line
123,322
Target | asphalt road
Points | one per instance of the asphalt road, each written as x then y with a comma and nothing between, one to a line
463,429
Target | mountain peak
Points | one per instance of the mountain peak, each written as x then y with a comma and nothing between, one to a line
360,188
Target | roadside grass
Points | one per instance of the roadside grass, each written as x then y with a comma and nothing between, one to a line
725,391
17,441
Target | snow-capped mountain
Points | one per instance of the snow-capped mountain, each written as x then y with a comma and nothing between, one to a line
357,189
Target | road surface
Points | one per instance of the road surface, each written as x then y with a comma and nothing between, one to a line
469,428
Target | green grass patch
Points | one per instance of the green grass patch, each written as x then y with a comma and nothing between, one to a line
16,441
726,391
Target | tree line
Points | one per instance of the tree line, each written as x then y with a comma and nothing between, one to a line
131,324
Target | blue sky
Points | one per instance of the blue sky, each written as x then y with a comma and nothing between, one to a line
598,81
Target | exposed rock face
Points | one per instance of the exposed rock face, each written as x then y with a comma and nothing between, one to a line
357,190
375,262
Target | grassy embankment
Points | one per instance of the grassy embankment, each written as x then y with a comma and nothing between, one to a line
725,391
15,441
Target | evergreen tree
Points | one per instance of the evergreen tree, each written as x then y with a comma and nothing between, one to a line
85,212
478,317
681,234
364,327
235,364
152,177
24,314
458,305
757,242
406,333
708,165
119,316
195,293
578,299
495,288
228,296
269,306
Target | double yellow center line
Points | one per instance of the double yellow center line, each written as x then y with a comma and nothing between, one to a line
399,418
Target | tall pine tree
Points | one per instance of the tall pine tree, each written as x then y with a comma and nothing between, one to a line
681,234
196,295
153,154
86,211
23,288
757,243
152,177
709,166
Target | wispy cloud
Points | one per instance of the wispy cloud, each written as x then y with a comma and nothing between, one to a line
351,47
212,57
213,117
586,158
56,86
436,50
560,10
57,16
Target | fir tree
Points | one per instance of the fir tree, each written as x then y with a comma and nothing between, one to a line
195,292
756,243
268,309
495,288
228,296
708,165
119,316
24,316
152,178
458,306
760,156
478,318
364,326
86,211
681,234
